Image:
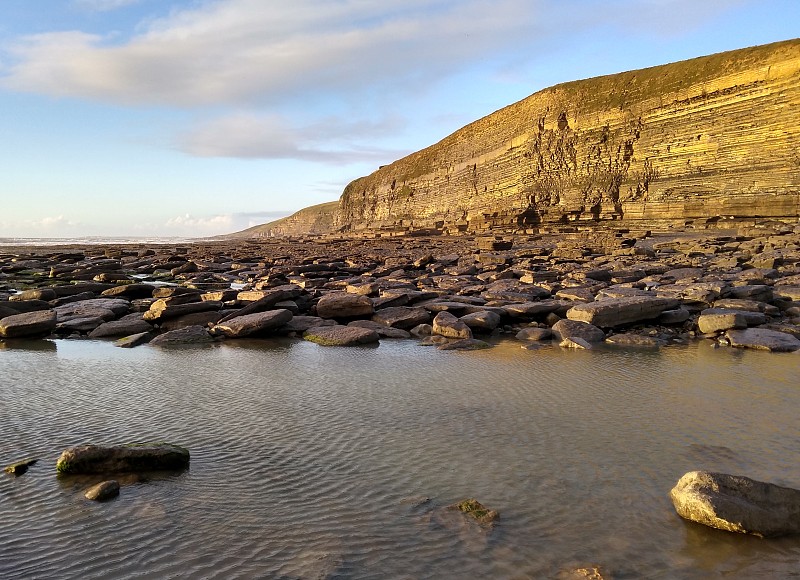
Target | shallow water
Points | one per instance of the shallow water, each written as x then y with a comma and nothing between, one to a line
312,462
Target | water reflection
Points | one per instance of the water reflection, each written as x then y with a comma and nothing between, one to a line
341,461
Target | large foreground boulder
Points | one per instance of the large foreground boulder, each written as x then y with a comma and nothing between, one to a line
255,323
38,323
122,458
737,504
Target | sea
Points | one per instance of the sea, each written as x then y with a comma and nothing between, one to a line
327,462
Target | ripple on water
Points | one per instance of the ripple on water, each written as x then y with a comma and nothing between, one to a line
320,462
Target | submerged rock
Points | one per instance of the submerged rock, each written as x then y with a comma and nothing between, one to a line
20,467
475,509
737,504
341,335
122,458
103,491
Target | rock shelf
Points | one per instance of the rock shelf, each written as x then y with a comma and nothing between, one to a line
735,287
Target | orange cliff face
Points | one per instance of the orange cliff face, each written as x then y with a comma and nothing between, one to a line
710,138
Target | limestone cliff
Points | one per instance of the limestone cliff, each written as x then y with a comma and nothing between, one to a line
712,137
313,220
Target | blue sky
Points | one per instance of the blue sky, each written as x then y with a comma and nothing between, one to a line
202,117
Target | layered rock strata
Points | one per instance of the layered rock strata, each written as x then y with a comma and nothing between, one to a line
712,138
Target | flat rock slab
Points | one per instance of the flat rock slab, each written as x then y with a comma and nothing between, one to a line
161,309
618,311
632,339
248,324
122,458
341,335
37,323
763,339
122,327
737,504
717,322
183,336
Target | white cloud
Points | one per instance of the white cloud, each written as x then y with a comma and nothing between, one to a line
250,51
248,135
187,221
52,223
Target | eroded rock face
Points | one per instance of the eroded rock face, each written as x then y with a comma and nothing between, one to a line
662,143
737,504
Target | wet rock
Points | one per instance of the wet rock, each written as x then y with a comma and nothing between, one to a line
421,330
632,339
134,340
403,317
464,344
103,491
737,504
183,336
28,324
382,330
447,325
122,458
45,294
252,323
619,311
534,334
564,329
344,305
483,321
477,511
20,467
341,335
586,573
711,323
763,339
576,342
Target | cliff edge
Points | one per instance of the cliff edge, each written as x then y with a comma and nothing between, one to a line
711,138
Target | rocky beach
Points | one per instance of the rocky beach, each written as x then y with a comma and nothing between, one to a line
736,287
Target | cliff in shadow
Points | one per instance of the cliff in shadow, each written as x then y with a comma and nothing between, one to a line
313,220
711,138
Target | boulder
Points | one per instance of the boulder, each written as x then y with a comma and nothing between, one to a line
343,305
463,344
341,335
103,491
763,339
534,334
532,309
483,321
135,290
737,504
750,318
404,317
37,323
447,325
576,342
122,458
106,308
252,323
162,309
564,329
618,311
710,323
181,336
125,326
303,323
45,294
382,330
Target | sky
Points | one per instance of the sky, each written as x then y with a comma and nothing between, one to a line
194,118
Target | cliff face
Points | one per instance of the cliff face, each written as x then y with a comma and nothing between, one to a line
313,220
711,138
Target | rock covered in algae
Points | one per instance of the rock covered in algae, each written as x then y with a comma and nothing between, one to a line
122,458
476,510
737,504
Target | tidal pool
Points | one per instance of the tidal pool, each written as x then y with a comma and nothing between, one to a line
311,462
